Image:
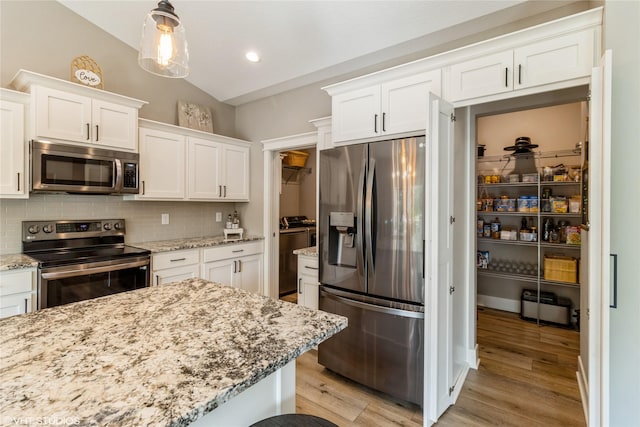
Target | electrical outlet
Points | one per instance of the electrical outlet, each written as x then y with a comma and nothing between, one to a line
164,218
218,216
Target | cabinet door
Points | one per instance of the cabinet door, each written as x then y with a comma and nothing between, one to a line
356,114
554,60
10,305
236,173
488,75
62,115
405,102
308,291
162,277
220,272
249,273
162,165
114,125
12,145
203,169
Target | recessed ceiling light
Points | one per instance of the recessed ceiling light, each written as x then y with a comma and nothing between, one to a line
252,56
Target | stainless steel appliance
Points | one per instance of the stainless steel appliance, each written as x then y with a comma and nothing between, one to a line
74,169
79,260
296,232
372,263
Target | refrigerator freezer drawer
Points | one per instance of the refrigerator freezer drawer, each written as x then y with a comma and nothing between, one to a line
381,348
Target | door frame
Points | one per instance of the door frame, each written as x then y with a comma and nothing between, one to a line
272,166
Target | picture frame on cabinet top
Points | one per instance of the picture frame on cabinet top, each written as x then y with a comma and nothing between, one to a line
194,116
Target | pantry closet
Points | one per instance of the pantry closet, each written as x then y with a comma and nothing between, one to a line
529,204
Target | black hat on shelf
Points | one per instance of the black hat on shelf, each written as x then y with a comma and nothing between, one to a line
523,145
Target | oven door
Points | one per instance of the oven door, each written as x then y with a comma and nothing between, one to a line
63,168
72,283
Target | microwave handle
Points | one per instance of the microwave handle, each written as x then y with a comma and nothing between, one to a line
119,176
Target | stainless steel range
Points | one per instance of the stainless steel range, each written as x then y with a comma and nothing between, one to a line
79,260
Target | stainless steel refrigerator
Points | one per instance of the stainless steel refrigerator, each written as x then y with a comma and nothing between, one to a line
371,243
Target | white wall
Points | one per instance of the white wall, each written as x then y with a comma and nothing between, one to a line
622,32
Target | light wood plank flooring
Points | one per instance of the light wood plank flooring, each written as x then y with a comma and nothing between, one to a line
527,377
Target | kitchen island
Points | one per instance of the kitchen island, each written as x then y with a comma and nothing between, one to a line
170,355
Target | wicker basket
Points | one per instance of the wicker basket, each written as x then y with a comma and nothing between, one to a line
560,269
295,158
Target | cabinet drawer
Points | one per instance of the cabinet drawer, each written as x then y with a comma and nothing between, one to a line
307,265
175,259
231,251
16,281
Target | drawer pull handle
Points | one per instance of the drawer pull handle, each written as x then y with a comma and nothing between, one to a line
178,259
239,266
18,181
310,268
299,287
157,280
237,251
506,77
26,305
88,131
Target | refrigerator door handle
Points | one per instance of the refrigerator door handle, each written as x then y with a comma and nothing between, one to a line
360,219
373,307
368,217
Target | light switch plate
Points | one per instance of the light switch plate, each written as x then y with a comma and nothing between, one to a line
164,218
218,216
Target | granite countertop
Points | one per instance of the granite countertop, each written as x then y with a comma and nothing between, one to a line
311,251
189,243
16,262
155,356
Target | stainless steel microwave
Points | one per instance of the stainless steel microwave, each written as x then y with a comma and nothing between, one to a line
74,169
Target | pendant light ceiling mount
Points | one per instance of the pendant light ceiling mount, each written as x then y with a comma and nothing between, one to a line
163,46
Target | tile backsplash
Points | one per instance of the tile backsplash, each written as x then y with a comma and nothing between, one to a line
142,218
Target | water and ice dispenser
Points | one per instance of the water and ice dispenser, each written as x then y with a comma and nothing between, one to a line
342,239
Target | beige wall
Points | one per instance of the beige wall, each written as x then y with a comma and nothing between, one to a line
44,36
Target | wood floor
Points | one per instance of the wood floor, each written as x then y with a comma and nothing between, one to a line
527,377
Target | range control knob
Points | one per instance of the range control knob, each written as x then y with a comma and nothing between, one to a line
48,228
117,226
107,226
34,229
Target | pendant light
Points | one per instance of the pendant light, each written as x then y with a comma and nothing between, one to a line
163,47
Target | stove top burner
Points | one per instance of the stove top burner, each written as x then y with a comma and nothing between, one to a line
58,243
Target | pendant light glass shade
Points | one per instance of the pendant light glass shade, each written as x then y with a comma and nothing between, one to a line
163,46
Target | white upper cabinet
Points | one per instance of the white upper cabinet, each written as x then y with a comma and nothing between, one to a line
550,61
235,164
487,75
391,107
204,173
553,60
183,164
14,160
162,165
79,114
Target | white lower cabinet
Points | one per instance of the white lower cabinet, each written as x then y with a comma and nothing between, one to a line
308,286
17,292
238,265
175,266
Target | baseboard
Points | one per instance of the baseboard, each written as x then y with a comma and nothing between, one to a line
583,385
498,303
473,360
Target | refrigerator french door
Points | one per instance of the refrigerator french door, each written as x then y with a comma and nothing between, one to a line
372,263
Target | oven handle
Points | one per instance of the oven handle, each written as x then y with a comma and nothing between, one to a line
94,270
